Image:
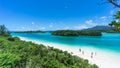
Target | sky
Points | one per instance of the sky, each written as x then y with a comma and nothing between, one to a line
19,15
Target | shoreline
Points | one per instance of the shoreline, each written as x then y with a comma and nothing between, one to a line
104,59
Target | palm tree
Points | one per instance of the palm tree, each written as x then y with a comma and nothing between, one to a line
116,25
117,16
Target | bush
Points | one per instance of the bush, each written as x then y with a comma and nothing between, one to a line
8,60
11,39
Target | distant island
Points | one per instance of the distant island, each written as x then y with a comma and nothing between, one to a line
107,29
100,28
76,33
37,31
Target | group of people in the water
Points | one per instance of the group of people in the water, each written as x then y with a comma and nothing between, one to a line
92,53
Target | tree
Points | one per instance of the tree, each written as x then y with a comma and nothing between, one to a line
117,16
115,2
116,22
116,25
4,31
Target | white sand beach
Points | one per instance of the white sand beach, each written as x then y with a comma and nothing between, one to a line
104,59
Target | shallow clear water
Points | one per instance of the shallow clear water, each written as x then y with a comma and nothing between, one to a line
108,41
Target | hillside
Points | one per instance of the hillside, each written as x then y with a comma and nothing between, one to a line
15,53
103,28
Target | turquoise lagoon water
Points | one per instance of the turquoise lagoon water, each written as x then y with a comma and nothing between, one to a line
108,41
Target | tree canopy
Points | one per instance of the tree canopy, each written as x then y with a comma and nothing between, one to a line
116,22
4,31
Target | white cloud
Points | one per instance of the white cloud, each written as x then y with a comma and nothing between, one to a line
87,24
90,22
51,25
103,20
66,27
103,17
82,26
42,28
23,27
33,23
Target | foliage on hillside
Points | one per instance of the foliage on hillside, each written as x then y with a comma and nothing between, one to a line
20,54
76,33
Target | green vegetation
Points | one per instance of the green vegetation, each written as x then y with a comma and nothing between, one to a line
116,22
37,31
4,31
76,33
116,25
15,53
21,54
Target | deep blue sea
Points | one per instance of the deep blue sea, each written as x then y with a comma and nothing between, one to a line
108,41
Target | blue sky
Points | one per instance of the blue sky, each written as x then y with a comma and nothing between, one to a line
54,14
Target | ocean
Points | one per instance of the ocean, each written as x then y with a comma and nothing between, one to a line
108,41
